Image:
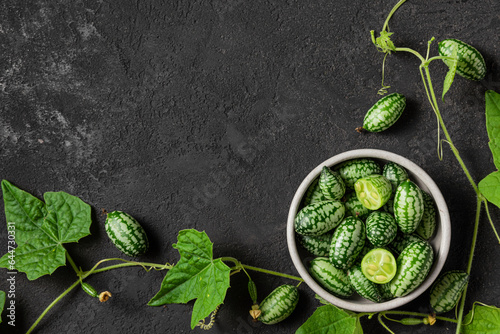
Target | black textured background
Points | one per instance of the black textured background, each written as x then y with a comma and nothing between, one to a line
207,115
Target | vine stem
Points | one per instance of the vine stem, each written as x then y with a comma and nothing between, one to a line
386,23
239,265
94,270
416,314
73,264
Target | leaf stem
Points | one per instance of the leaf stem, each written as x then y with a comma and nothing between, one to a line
239,265
77,270
416,314
485,201
469,264
394,9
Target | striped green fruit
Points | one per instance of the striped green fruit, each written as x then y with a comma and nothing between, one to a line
408,206
471,64
347,242
313,194
318,245
381,228
279,304
384,113
354,169
319,218
126,233
428,223
373,191
413,266
447,289
332,279
362,285
331,184
354,207
395,173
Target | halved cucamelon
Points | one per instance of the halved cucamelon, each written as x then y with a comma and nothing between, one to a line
332,279
471,64
381,228
279,304
408,206
319,218
384,113
331,184
413,265
347,242
126,233
354,169
447,289
373,191
379,266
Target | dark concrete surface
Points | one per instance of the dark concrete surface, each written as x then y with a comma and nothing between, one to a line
207,115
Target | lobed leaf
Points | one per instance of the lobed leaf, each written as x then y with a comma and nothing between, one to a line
482,319
490,185
493,124
41,229
330,319
196,276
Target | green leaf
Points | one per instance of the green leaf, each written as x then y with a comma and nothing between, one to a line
482,319
490,185
196,276
41,229
490,188
450,76
2,304
493,124
330,319
384,42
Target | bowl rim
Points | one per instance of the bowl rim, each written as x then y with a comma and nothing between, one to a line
440,254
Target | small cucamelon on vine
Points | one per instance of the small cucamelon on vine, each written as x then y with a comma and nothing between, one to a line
384,113
347,242
279,304
447,289
332,279
331,184
354,169
126,233
470,65
319,218
90,290
408,206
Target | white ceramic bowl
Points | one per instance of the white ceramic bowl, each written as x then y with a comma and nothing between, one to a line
440,242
